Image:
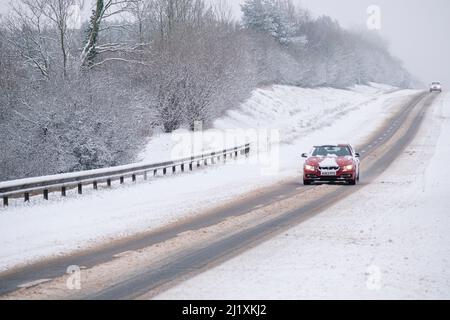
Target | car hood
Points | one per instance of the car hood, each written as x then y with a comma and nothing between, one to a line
329,161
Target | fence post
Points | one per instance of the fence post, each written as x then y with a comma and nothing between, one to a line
190,166
182,167
63,191
174,169
45,194
95,186
121,180
80,188
5,201
164,171
155,172
247,150
26,197
133,178
108,182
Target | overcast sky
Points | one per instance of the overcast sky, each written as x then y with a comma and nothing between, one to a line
417,30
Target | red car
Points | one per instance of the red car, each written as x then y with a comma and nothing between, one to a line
331,163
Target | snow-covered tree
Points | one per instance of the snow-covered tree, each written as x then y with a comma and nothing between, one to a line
151,65
269,16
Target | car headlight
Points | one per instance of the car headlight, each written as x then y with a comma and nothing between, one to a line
348,168
308,167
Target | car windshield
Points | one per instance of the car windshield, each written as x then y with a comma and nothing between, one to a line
436,83
331,150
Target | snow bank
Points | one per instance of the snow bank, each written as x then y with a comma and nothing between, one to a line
294,111
303,117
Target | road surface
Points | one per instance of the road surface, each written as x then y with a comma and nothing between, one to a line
146,265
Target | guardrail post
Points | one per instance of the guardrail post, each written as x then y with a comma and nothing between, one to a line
205,162
145,175
164,171
26,197
155,172
198,163
121,180
45,194
174,169
182,167
133,178
95,186
63,191
235,152
247,150
224,156
108,182
5,201
190,166
80,188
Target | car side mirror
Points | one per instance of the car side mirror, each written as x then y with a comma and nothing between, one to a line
304,155
357,155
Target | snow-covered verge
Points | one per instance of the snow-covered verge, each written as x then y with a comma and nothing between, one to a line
390,240
295,112
303,117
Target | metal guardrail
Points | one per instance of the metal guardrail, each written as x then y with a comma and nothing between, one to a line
62,182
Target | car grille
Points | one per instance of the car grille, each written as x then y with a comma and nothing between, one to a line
329,168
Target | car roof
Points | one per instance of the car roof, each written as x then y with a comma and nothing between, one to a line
334,145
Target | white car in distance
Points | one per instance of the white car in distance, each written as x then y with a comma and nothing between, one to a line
436,86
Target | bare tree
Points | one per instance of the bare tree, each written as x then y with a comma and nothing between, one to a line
27,30
59,12
103,9
37,26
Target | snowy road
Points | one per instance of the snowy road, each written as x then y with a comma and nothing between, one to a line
42,230
389,240
146,265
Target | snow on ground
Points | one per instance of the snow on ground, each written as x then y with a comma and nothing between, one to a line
390,240
294,111
30,231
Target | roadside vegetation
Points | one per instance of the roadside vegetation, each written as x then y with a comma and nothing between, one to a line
76,97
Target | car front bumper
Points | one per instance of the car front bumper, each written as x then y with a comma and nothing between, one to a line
340,176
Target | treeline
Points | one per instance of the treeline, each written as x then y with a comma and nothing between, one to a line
83,97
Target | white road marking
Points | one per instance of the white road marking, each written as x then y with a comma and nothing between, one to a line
123,254
33,283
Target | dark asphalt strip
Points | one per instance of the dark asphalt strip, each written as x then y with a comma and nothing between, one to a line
57,267
196,260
